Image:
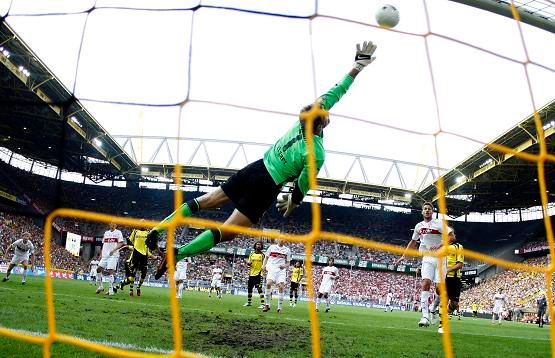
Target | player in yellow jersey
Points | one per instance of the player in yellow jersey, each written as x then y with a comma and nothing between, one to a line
137,261
474,307
256,258
455,262
296,277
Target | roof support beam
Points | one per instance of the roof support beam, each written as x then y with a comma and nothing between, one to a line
503,8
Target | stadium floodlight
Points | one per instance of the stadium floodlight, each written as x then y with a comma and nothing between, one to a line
144,170
487,162
97,142
460,179
6,53
76,121
408,195
24,71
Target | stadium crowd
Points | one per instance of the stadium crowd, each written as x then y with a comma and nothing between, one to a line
538,245
12,228
521,288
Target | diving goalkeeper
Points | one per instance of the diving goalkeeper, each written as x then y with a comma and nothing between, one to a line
254,188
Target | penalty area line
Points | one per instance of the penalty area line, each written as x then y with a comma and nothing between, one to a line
127,346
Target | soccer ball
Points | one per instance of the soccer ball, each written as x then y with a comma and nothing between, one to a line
387,16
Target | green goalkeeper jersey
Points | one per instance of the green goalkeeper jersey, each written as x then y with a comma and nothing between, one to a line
287,159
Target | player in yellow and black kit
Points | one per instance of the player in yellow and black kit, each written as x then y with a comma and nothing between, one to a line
256,258
137,261
455,262
296,277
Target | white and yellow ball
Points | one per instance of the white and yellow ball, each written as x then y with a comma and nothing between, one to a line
387,16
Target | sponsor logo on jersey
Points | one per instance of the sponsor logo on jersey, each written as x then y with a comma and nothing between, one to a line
278,254
428,231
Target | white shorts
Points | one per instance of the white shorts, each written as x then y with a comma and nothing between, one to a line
17,259
277,275
388,303
180,275
430,268
497,309
109,263
92,273
325,287
216,283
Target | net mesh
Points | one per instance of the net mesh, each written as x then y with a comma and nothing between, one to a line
315,234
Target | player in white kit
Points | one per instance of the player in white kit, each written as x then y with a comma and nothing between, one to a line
276,263
428,233
216,283
180,275
23,248
330,274
388,299
498,306
93,267
111,243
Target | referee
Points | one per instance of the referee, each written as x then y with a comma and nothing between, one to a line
256,258
542,306
455,262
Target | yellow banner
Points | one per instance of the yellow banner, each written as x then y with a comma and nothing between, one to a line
8,196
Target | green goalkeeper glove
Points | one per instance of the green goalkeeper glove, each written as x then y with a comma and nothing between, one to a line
364,54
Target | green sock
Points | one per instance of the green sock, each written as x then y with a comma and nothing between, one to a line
187,209
202,243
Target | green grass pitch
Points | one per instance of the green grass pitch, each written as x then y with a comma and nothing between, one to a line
223,328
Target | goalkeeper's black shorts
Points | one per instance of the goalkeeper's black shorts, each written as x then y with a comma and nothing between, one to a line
252,190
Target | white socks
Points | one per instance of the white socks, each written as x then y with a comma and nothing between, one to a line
111,281
99,280
424,297
280,300
436,303
180,289
268,296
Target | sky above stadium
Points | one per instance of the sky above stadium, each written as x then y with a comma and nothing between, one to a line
233,70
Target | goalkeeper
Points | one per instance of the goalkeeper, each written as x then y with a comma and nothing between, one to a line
254,188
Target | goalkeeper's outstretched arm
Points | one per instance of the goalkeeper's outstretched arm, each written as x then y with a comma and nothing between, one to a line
363,57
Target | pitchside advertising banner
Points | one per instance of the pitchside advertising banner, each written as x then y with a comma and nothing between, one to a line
39,272
323,260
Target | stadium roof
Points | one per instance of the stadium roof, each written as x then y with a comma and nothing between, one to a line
41,119
181,89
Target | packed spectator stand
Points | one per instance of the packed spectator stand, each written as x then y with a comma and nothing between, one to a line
377,224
